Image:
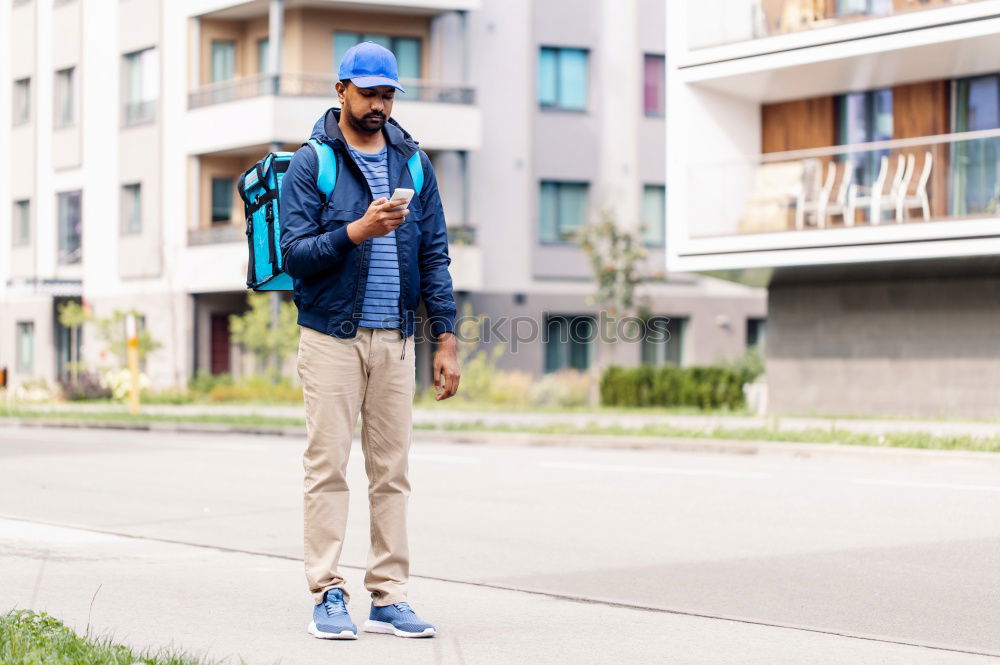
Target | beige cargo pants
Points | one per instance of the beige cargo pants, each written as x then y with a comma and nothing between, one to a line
371,374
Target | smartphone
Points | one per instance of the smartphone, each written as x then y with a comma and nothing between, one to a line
401,193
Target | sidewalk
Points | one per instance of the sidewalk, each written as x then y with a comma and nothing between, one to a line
223,603
443,417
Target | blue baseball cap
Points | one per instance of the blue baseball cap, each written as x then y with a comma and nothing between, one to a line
369,65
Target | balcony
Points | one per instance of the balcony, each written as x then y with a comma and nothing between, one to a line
254,8
264,109
903,198
745,20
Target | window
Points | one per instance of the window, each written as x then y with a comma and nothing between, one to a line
654,214
22,223
562,78
222,200
22,101
131,208
756,332
975,165
140,88
562,209
663,340
65,98
406,49
863,117
263,53
654,72
70,226
223,66
568,342
25,347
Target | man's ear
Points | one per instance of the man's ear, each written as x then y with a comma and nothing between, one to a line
341,91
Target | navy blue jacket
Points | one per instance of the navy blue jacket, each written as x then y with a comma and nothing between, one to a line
328,269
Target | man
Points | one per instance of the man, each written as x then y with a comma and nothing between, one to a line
360,262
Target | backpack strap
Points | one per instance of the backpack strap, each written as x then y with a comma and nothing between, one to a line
326,171
416,167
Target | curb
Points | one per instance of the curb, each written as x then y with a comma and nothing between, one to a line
530,439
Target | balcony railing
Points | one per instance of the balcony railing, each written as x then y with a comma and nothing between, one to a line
319,85
217,234
138,113
902,181
743,20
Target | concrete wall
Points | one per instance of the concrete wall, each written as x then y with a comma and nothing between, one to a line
140,149
914,339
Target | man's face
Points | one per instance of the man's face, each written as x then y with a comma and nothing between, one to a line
367,109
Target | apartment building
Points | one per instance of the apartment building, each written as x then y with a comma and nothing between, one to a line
852,147
132,120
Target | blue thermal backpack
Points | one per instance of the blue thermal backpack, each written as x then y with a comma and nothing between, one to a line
260,189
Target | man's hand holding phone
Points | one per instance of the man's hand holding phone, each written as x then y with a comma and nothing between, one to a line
382,217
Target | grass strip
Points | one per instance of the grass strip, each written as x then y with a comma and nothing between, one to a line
835,435
763,434
123,417
33,638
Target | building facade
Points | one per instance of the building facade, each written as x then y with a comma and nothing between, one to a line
852,147
131,121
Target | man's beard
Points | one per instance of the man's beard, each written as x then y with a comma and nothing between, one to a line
369,123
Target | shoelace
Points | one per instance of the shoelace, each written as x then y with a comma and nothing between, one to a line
404,607
333,608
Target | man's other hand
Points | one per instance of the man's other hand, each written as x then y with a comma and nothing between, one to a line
446,371
379,220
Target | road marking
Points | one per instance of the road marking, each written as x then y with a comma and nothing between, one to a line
661,470
935,486
448,459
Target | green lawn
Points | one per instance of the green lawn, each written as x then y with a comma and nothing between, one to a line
817,435
831,435
126,418
30,638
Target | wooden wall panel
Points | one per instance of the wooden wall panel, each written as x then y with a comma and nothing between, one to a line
924,109
799,124
921,109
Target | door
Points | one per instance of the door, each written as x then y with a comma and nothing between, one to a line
219,344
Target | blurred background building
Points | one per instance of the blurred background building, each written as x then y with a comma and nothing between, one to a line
852,146
129,122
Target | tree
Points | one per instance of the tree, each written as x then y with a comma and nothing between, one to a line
111,331
616,257
271,339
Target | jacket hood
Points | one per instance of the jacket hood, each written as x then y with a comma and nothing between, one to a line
326,128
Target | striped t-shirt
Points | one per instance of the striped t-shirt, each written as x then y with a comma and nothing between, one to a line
380,308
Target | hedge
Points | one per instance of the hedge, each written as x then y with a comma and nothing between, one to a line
710,387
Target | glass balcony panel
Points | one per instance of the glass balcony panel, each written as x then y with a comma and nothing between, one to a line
320,85
718,22
907,181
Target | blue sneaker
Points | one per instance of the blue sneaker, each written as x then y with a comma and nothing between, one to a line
399,620
330,619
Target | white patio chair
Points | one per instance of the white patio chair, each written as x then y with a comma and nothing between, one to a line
906,201
877,196
859,196
838,206
818,205
899,183
808,191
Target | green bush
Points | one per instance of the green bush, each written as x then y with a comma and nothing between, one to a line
258,389
204,381
708,387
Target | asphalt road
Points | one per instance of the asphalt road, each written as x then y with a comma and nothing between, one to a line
887,559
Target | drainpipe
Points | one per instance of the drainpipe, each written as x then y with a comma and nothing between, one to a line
275,42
